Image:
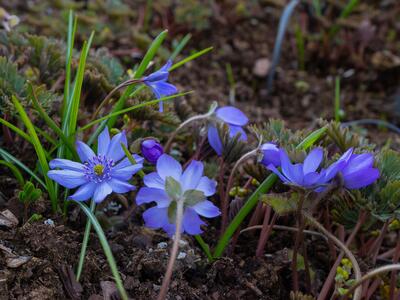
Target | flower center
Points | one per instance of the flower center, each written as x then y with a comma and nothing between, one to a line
98,169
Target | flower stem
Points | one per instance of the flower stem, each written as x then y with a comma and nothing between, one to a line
174,252
85,243
343,247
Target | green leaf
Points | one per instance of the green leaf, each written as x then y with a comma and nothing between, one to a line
389,164
192,197
172,212
14,170
173,188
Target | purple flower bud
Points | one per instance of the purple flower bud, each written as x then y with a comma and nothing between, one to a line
270,155
151,150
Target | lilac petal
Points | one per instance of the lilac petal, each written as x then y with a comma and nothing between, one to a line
272,168
156,76
167,66
333,169
192,175
233,130
164,88
67,178
153,180
147,195
297,174
170,229
287,167
313,160
115,151
126,163
359,162
361,178
207,186
232,115
84,151
103,142
66,164
191,222
270,154
347,155
168,166
156,217
206,209
311,179
101,192
84,192
161,106
214,140
119,186
127,172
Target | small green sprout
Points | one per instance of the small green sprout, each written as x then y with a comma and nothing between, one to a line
29,195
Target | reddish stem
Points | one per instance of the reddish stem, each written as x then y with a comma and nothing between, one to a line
393,276
265,231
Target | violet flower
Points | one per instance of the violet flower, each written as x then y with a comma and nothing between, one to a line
151,150
157,82
305,174
169,185
235,119
357,169
271,155
98,175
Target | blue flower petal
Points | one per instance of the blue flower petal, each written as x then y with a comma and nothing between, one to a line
101,192
85,192
206,209
192,175
270,154
361,178
127,172
313,160
287,167
103,142
214,140
154,180
272,168
66,164
126,162
156,217
115,151
119,186
207,186
84,151
168,166
233,130
358,162
67,178
232,115
312,179
191,222
147,195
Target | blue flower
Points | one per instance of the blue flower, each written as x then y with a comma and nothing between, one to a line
235,119
271,155
98,175
157,82
305,174
189,186
357,169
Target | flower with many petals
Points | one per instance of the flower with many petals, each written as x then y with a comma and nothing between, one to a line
169,185
357,170
157,82
234,118
305,174
98,175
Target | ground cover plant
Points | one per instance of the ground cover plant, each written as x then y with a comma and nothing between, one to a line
131,169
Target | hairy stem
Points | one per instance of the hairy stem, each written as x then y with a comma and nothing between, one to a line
343,247
174,252
85,243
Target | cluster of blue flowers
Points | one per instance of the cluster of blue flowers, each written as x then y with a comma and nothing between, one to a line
356,170
98,175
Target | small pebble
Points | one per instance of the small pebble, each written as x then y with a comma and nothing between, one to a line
49,222
162,245
182,243
181,255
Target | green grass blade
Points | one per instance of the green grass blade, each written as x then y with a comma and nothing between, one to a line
15,171
205,247
180,46
10,158
39,151
106,249
131,159
190,58
263,188
151,52
117,113
16,130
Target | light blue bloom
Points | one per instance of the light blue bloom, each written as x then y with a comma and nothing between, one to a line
98,175
157,82
190,186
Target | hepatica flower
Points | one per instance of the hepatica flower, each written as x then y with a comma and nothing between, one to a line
151,150
157,82
234,118
270,155
357,170
98,175
305,174
171,184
